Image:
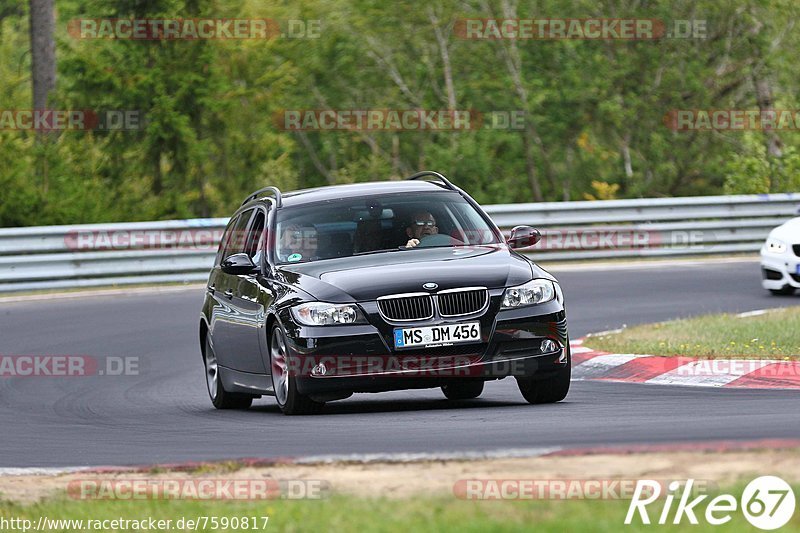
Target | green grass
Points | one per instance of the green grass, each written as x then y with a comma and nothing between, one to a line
773,335
339,513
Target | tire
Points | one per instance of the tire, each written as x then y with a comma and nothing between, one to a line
221,398
463,390
549,390
786,290
284,383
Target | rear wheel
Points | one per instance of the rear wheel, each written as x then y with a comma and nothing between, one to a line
284,383
786,290
221,398
463,390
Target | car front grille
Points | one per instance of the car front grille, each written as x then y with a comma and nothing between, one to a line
796,248
475,350
421,363
462,301
406,307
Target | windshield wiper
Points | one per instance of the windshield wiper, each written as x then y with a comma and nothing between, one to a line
378,251
418,247
403,248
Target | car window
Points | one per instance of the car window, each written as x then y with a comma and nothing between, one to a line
372,224
223,243
256,236
236,237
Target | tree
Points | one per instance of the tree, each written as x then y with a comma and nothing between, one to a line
43,74
43,51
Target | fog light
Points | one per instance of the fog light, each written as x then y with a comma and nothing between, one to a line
548,346
319,370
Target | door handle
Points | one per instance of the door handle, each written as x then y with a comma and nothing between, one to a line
229,294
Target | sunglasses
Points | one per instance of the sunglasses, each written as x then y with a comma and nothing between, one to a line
421,223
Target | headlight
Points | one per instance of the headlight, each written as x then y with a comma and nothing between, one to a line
537,291
774,246
324,314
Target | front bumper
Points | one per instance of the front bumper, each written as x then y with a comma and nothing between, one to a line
779,270
360,358
431,376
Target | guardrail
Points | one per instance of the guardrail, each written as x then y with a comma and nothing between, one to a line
52,257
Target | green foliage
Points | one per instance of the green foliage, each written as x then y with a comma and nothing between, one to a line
602,191
594,109
756,172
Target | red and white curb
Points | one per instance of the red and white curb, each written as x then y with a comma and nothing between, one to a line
589,364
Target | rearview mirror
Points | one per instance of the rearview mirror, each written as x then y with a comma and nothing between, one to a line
523,237
238,264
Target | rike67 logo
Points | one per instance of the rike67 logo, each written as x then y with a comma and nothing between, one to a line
767,502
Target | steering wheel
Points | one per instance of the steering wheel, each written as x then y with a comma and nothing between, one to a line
438,239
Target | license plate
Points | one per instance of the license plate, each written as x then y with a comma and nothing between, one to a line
797,270
444,334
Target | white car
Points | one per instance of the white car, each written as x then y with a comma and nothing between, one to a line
780,259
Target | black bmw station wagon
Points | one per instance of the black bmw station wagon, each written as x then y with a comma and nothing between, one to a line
320,293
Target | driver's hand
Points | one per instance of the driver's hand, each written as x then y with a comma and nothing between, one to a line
412,243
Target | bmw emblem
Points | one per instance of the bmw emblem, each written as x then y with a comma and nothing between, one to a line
429,286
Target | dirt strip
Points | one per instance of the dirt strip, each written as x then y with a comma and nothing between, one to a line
403,480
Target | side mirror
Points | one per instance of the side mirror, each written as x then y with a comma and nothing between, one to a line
238,264
523,237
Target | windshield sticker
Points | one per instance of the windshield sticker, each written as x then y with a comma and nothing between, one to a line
294,257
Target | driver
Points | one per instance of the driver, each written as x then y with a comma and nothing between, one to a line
298,243
421,224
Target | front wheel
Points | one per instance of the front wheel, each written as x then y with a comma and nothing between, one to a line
221,398
548,390
786,290
463,390
284,383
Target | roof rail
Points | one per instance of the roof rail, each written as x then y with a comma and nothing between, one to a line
274,190
436,175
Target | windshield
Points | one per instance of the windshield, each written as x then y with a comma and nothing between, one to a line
378,224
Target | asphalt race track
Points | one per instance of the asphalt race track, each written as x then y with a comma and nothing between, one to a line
164,414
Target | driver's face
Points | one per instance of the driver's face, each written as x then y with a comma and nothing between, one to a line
422,224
